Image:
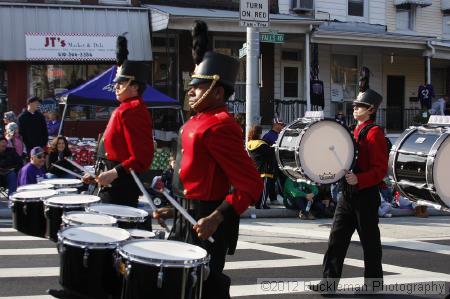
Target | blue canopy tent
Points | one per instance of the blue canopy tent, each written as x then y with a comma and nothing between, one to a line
99,91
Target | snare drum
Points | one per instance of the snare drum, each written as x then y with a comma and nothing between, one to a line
317,151
419,164
127,217
28,211
63,183
57,205
85,218
87,260
167,269
32,187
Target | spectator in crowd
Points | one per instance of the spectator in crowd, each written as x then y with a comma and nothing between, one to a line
32,125
34,171
263,156
14,139
340,118
302,197
10,163
58,152
53,123
272,135
9,117
167,174
438,107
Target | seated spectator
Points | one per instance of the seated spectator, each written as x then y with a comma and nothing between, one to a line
167,174
34,171
297,196
384,208
386,190
59,150
10,163
14,139
53,123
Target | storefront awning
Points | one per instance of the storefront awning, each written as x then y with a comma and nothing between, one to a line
421,3
21,19
181,18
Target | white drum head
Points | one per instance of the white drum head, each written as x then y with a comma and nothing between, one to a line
164,250
89,218
441,172
67,190
118,211
79,199
95,234
62,182
31,187
141,234
326,151
34,194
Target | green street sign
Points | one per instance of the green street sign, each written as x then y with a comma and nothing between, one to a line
271,37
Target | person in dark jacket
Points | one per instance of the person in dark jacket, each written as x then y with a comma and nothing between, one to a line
264,158
32,125
10,164
59,150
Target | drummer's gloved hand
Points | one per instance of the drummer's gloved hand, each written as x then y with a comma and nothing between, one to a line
107,177
88,179
163,213
207,226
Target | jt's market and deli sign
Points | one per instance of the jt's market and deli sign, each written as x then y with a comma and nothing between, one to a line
56,46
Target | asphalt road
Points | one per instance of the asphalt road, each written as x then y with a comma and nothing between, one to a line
275,259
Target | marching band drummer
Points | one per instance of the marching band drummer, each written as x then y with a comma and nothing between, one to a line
358,210
210,162
128,138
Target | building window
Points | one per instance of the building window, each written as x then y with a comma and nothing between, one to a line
165,64
405,18
446,25
356,8
438,78
344,77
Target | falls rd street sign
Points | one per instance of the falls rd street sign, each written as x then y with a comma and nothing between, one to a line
271,37
243,51
254,13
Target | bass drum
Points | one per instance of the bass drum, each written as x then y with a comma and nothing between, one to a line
317,151
419,164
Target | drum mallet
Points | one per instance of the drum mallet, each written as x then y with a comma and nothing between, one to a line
182,211
68,171
149,199
82,169
331,148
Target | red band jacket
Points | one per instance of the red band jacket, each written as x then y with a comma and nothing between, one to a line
212,158
128,137
372,162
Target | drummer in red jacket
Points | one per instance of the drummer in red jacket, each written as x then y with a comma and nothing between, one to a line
214,176
358,210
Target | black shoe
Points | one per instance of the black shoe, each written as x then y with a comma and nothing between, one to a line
61,294
326,288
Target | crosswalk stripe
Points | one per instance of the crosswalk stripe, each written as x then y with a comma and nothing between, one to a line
281,263
21,238
7,230
28,251
29,297
29,272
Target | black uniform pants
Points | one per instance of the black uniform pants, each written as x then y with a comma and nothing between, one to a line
356,211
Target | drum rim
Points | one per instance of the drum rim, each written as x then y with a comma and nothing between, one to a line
159,262
70,205
140,218
70,222
297,162
85,245
49,186
31,199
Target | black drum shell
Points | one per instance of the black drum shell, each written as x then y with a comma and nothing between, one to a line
99,279
53,217
28,217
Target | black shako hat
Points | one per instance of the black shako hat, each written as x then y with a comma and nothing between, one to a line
134,71
216,66
370,98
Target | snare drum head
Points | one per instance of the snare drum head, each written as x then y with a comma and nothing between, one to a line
326,150
89,218
33,194
31,187
94,234
117,211
141,234
441,172
164,250
62,182
79,199
67,190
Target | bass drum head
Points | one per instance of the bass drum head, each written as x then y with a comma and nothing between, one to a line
94,234
326,150
441,172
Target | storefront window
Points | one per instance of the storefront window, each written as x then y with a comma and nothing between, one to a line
344,77
47,81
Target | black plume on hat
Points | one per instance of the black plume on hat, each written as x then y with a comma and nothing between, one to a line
121,49
199,41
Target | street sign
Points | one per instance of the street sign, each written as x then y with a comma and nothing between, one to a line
271,37
243,50
254,13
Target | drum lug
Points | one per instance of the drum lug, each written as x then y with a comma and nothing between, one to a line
206,272
85,258
61,248
24,209
160,278
194,277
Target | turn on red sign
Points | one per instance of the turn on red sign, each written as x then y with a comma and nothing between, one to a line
254,13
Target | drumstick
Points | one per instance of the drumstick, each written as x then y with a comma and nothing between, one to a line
331,148
79,167
148,198
182,211
67,170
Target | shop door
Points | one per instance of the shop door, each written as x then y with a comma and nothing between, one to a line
395,102
291,92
